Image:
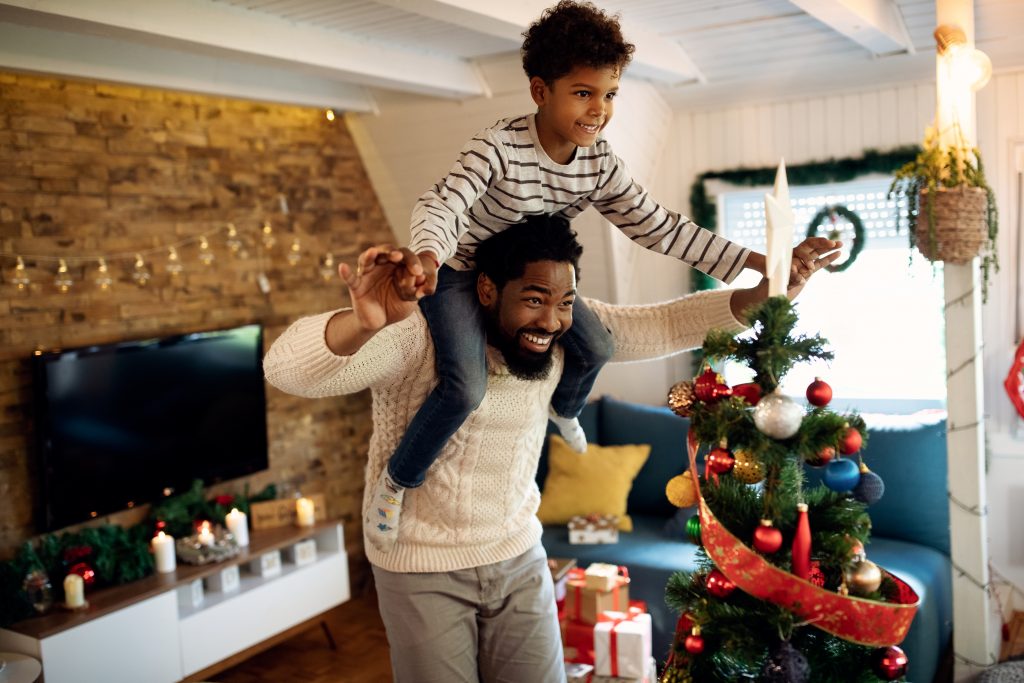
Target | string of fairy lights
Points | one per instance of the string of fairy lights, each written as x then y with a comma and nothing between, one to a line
101,272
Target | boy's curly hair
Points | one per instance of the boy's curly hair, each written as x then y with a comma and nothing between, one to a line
570,35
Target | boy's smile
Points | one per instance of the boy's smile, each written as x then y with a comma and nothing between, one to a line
574,109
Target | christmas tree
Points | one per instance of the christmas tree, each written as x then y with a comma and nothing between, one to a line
783,590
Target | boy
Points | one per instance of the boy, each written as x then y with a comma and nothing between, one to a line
553,161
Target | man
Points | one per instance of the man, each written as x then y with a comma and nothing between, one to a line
465,593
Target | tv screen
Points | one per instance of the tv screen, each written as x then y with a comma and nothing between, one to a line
123,424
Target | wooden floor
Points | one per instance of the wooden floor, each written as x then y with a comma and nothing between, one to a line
361,655
1014,645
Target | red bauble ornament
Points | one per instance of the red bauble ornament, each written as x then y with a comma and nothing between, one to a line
890,663
749,392
694,642
718,585
823,457
87,573
817,577
710,387
850,442
819,393
720,460
767,539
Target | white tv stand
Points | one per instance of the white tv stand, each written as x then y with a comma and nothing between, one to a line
151,631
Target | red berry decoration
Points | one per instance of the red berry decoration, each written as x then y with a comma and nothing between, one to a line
718,585
890,663
694,642
87,573
720,460
819,393
767,539
749,392
851,442
709,386
823,457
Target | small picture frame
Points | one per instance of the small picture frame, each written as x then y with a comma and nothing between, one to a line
190,596
302,553
267,564
225,580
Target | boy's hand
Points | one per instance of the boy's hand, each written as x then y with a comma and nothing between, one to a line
811,255
376,286
430,265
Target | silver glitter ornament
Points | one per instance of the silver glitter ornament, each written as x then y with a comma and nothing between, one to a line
778,416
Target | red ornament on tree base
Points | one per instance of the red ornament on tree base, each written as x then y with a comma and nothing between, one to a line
718,585
694,642
767,539
720,460
749,392
823,457
851,442
710,387
890,663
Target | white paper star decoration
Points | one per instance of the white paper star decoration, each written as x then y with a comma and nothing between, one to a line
779,224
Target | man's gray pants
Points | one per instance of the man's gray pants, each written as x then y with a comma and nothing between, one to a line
492,624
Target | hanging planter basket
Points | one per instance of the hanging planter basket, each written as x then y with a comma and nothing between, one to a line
952,226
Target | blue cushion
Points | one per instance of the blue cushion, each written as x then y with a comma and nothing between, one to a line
628,423
909,454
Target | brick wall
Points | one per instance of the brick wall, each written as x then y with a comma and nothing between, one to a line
89,169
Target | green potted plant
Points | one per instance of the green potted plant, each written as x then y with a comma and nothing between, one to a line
950,208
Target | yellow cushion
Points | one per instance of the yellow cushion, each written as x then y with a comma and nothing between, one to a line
595,482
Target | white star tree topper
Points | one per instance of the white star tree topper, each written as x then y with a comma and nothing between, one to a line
779,223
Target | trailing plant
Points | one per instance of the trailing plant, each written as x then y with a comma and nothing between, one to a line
937,167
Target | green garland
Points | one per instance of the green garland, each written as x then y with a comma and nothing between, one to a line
813,173
858,232
117,554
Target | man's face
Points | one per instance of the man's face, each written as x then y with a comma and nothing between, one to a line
529,314
574,109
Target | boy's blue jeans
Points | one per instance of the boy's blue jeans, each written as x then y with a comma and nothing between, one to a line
457,326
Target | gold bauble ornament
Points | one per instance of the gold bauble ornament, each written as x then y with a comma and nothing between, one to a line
863,578
747,467
681,490
681,398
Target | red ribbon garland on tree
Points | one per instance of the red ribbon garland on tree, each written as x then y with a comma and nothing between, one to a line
858,620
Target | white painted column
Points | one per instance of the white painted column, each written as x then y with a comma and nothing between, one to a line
975,629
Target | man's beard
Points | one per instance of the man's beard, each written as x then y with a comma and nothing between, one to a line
523,364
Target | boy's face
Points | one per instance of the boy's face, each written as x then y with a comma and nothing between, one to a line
574,109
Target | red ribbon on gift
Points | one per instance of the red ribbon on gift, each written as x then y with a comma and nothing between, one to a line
576,579
613,640
861,621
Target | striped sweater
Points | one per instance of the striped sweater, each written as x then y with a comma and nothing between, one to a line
504,175
479,502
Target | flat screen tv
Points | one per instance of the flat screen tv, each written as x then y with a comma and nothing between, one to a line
122,424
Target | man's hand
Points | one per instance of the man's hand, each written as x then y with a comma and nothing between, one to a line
381,284
420,274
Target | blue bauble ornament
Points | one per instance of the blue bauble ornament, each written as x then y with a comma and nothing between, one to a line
870,488
841,475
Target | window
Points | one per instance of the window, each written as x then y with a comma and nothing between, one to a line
883,316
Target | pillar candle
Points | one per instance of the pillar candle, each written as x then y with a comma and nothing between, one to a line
163,553
304,512
74,591
238,525
205,535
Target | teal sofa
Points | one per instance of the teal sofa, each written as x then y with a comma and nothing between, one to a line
910,524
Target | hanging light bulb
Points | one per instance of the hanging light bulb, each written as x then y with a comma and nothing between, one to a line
234,244
966,65
20,279
174,266
103,279
64,282
205,253
327,266
329,114
268,235
294,253
140,273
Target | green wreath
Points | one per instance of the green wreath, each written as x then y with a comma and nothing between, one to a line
858,233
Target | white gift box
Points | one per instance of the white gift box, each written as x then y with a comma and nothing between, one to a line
632,644
601,576
650,677
594,529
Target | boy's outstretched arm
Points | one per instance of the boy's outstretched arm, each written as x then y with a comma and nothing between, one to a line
804,255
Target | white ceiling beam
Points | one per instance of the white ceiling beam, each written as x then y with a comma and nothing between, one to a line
39,50
656,59
875,24
228,32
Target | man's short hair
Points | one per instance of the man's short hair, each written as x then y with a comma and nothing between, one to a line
571,35
505,256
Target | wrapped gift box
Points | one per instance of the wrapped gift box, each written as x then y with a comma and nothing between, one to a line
585,604
578,642
578,673
594,529
651,676
604,577
622,644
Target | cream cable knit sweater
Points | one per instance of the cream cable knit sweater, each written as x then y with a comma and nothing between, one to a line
479,502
